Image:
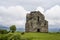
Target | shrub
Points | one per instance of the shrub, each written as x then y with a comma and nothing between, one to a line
3,32
22,33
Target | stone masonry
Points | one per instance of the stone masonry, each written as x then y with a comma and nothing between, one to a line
35,22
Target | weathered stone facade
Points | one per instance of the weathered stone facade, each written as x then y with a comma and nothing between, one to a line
35,22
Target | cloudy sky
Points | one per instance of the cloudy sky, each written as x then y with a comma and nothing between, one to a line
13,12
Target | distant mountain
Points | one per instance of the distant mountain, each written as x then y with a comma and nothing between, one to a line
54,29
7,28
3,27
21,29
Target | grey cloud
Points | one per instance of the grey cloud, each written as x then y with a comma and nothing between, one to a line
12,15
30,4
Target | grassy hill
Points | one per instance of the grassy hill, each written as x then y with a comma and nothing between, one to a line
42,36
33,36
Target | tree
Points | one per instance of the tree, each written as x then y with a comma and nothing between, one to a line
13,28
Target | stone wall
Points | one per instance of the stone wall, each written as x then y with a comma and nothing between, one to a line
35,22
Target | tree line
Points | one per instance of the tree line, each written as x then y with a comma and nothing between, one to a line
12,29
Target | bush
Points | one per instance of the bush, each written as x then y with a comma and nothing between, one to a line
15,36
22,33
3,32
12,36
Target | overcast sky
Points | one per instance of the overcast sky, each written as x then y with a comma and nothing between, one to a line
14,11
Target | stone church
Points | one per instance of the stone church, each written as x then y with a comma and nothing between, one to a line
35,22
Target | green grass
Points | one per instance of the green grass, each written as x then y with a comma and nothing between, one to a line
37,36
42,36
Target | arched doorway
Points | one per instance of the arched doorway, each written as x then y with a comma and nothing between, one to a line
38,30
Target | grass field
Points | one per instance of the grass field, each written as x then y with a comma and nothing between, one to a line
42,36
36,36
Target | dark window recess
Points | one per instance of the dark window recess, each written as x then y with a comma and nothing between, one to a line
45,23
38,18
30,18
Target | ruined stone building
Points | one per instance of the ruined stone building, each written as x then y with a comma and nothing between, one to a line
35,22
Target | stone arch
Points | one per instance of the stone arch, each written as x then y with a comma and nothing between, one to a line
38,30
